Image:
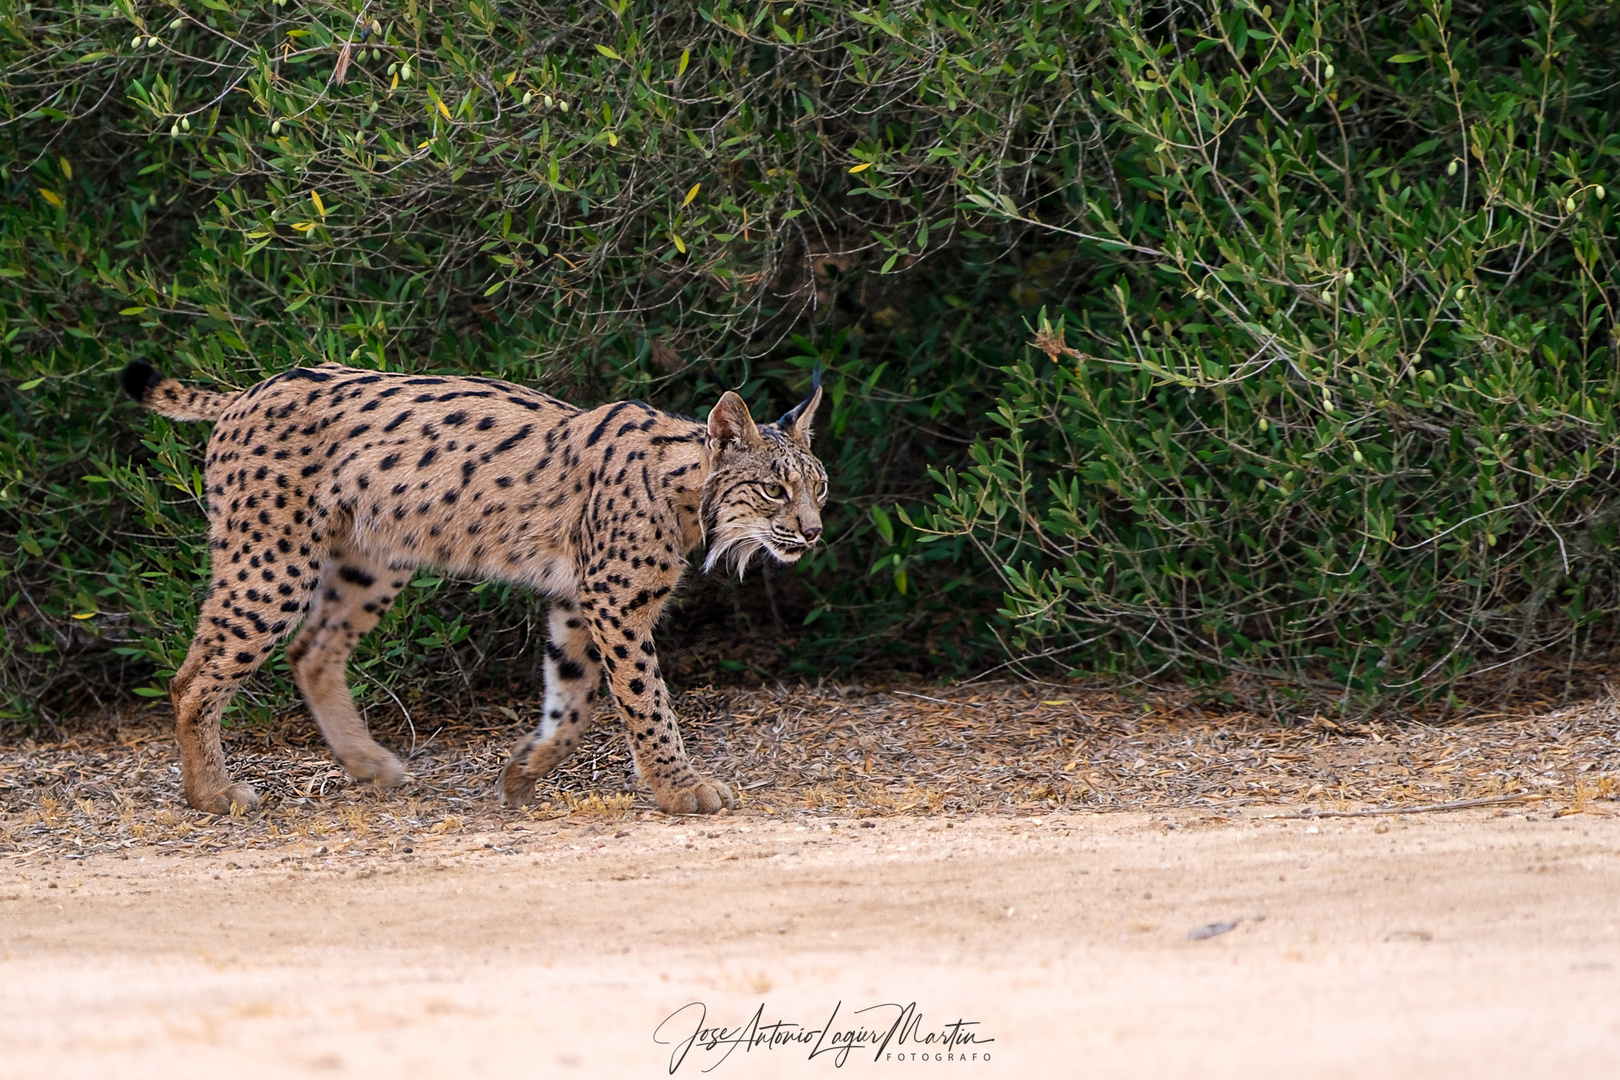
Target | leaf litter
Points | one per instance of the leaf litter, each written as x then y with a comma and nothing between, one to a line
1010,748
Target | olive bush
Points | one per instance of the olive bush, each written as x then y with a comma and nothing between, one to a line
1340,409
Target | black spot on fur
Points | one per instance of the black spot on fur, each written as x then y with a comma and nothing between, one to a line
513,439
596,433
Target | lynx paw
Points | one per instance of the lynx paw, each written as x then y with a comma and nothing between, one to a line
378,766
231,799
532,759
517,786
703,797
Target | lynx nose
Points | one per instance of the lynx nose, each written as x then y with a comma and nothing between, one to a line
812,533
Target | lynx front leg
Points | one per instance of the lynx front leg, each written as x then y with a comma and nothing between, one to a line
573,676
621,623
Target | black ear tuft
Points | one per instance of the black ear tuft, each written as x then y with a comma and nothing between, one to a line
797,420
791,417
139,379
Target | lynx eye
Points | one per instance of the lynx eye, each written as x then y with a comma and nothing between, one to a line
775,491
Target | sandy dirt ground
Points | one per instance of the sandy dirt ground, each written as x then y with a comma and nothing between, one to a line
1483,943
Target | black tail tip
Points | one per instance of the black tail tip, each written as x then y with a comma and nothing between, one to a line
139,378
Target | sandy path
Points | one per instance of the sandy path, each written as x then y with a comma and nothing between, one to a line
1479,944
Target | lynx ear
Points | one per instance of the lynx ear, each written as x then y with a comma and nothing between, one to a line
797,420
729,422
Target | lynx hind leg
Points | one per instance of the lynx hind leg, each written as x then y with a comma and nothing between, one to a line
355,591
236,630
573,677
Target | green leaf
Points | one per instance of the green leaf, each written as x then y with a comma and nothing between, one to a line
885,527
1406,58
609,53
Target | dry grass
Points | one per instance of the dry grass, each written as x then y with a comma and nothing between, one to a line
860,751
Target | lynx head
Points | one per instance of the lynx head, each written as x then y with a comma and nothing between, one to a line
765,489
